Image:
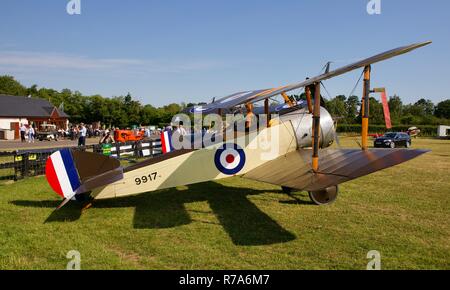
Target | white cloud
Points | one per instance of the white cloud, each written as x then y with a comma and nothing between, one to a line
23,61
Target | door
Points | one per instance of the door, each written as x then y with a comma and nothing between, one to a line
404,139
16,127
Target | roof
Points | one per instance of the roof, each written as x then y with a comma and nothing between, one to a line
13,106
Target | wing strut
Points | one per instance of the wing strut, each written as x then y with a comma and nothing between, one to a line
365,108
287,100
267,112
308,99
250,115
316,127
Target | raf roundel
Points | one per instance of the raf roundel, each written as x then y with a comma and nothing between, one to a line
230,159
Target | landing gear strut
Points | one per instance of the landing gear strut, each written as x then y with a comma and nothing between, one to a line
319,197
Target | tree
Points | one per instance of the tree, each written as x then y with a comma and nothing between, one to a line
426,106
443,110
421,108
167,112
9,86
132,109
124,111
150,115
337,106
351,105
376,112
395,107
96,109
32,91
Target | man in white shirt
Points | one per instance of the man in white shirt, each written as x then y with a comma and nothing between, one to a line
23,130
82,138
180,130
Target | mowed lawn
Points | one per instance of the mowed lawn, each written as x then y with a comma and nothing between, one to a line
402,212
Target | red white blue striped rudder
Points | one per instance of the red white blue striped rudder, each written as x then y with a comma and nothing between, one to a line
166,142
62,174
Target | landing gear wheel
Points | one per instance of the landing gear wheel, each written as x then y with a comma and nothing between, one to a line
324,196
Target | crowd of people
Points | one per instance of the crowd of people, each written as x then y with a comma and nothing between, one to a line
27,132
80,132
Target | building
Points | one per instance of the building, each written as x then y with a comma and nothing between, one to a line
444,132
15,111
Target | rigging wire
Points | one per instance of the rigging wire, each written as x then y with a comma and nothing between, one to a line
298,125
335,137
349,95
356,85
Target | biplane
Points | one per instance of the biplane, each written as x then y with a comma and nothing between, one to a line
303,159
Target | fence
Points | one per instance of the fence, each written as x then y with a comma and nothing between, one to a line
17,165
425,130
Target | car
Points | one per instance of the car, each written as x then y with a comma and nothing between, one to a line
48,132
393,140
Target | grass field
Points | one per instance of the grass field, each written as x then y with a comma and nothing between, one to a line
402,212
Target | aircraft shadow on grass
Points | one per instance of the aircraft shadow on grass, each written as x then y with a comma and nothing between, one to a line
245,223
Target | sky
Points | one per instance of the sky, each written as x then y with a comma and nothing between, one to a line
164,51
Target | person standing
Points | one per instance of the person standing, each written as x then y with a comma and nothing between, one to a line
31,133
180,130
107,139
82,138
147,132
23,130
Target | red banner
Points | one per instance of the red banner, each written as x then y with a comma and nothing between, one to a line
387,114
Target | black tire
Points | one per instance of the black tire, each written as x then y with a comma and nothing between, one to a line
324,196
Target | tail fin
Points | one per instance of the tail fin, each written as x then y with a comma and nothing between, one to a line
70,172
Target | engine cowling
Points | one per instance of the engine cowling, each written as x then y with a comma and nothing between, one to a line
301,121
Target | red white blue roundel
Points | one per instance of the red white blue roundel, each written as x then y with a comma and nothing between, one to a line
230,159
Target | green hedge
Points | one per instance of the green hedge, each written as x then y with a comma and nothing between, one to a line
425,130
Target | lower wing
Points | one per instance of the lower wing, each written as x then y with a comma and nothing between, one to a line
336,166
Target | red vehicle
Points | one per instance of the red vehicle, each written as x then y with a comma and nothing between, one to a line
123,136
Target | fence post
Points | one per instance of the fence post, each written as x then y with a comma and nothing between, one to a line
118,150
15,166
138,149
26,165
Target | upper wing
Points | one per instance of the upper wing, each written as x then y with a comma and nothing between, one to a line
258,95
336,166
228,102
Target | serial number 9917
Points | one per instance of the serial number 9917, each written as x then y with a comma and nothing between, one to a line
145,179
